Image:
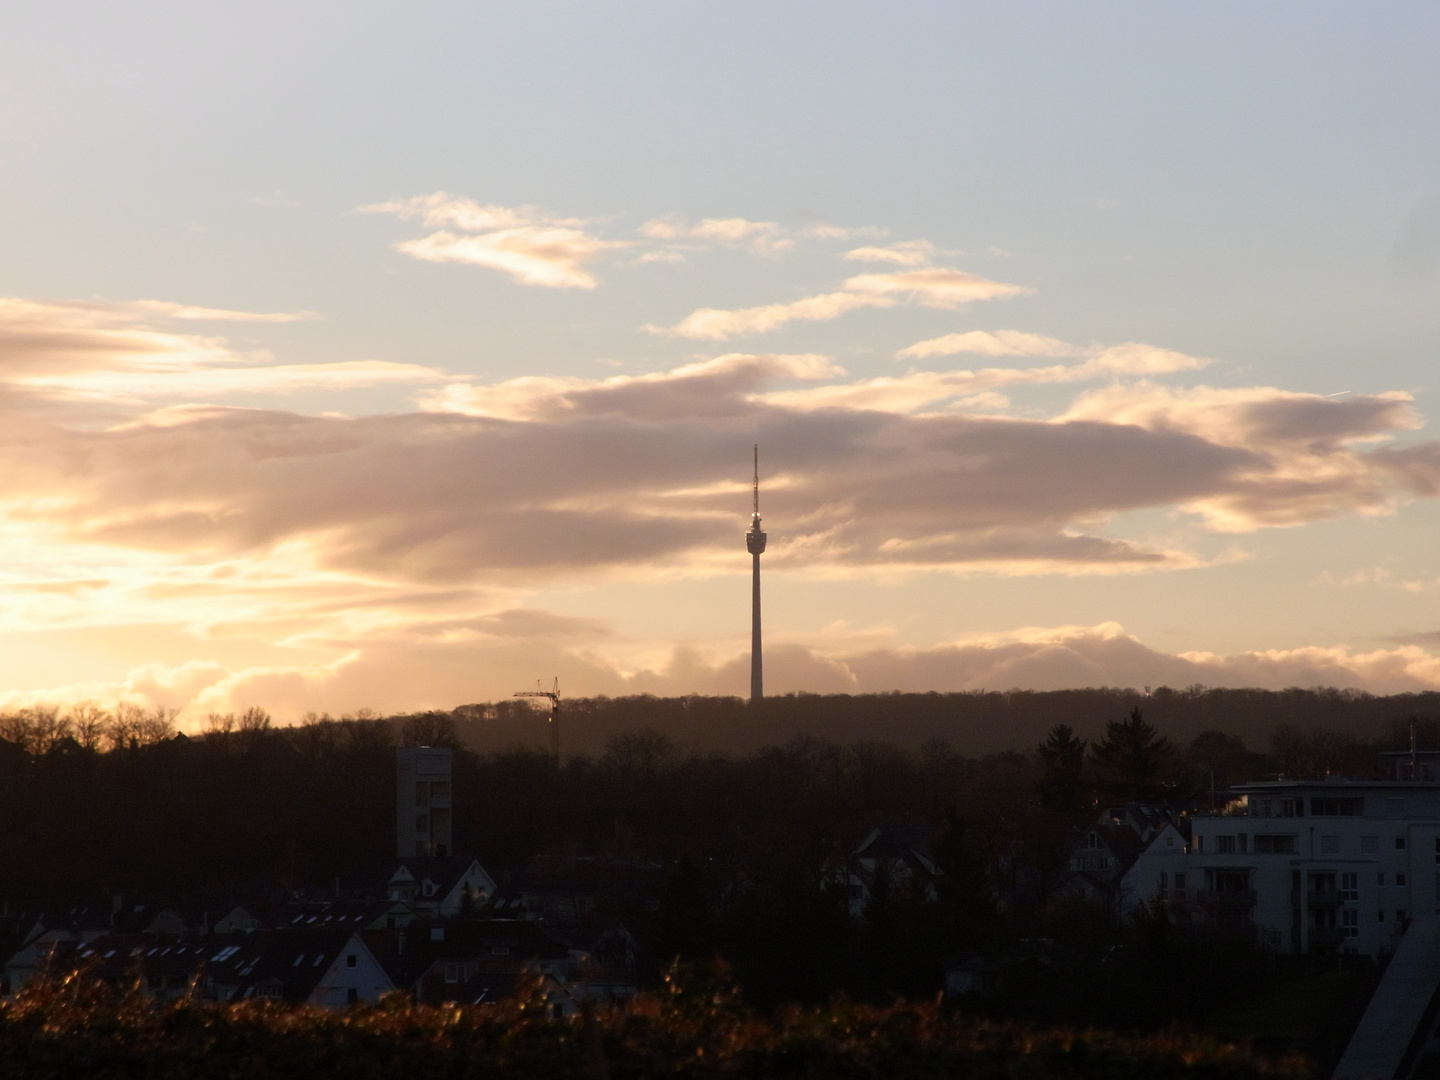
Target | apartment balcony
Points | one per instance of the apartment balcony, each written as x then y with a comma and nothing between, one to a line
1228,899
1324,899
1327,936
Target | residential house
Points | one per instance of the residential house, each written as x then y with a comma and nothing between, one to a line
441,887
899,855
574,891
1107,848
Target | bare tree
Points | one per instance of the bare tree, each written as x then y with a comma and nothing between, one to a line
17,727
89,722
126,723
158,725
254,719
218,725
429,729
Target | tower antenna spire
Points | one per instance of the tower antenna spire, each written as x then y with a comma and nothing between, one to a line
755,544
757,479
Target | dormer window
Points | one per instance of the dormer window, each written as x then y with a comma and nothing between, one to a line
428,888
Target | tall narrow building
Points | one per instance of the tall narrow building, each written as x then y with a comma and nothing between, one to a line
422,802
755,542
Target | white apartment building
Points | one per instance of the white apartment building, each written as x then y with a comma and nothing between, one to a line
1332,865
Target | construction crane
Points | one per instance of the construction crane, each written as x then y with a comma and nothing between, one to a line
554,695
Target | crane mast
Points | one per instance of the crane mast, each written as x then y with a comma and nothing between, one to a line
553,695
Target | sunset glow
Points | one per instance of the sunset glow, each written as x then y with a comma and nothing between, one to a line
384,373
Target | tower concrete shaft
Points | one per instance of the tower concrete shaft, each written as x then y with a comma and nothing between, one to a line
755,543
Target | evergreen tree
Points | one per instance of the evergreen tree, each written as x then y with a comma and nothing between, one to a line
965,901
1135,760
1062,785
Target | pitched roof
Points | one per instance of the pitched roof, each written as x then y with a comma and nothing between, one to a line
288,962
444,870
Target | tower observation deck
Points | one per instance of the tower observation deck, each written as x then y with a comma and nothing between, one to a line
755,544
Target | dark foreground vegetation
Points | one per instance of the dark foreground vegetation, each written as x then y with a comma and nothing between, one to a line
74,1028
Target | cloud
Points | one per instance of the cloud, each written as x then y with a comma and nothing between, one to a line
918,390
207,383
715,387
47,337
763,237
760,237
905,253
541,248
440,209
935,287
717,324
532,245
541,479
165,309
1310,450
989,343
551,258
125,352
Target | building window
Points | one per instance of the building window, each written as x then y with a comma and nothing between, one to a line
1401,880
1400,914
1331,807
1350,922
1350,887
1274,845
350,959
1225,844
1399,843
352,996
1292,807
1369,845
1199,841
1261,808
1380,878
1179,881
437,933
452,973
1329,845
1381,913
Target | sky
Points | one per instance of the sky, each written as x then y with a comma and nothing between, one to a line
395,356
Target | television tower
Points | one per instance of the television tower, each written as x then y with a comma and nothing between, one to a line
755,542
